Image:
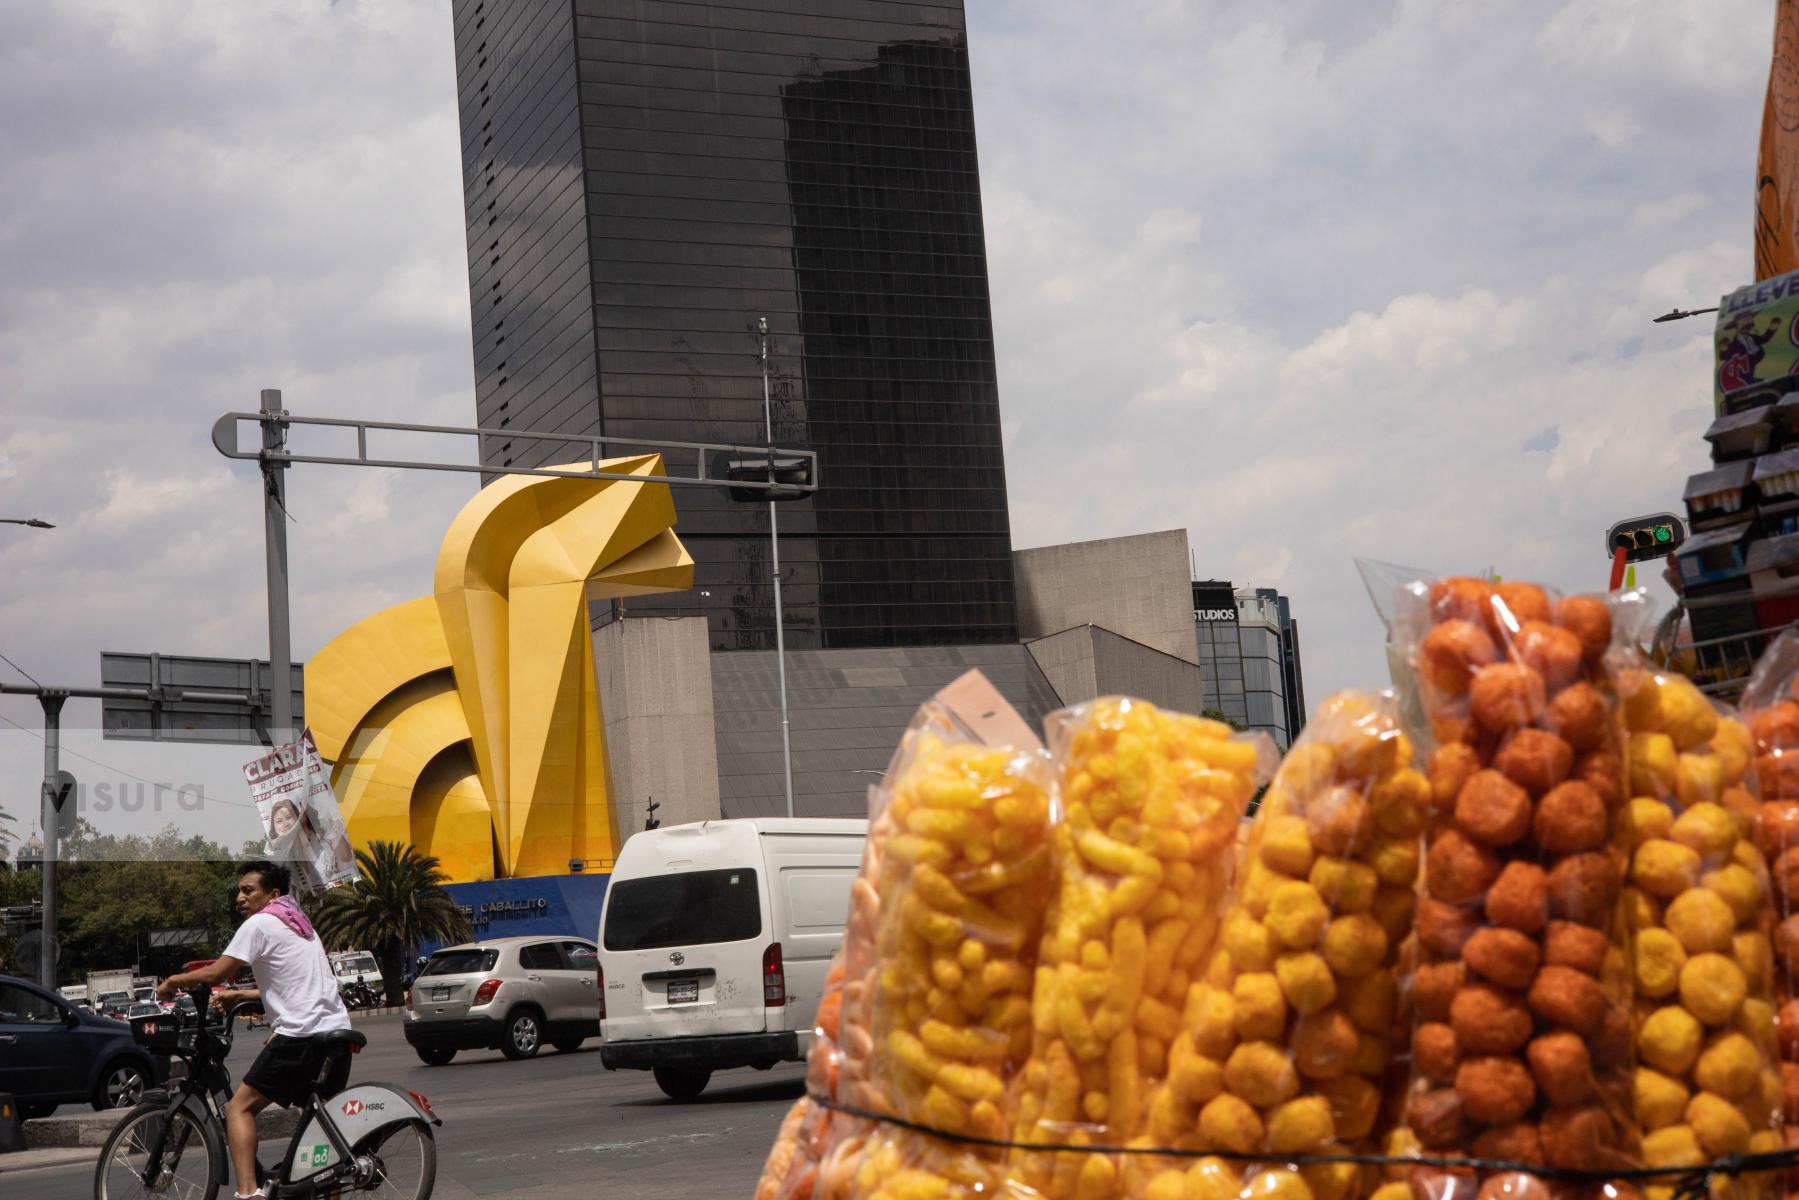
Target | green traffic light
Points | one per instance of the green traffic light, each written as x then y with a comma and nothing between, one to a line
1664,533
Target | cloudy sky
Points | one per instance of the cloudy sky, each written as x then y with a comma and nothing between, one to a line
1311,280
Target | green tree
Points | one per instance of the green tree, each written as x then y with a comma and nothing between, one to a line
398,904
1217,714
114,891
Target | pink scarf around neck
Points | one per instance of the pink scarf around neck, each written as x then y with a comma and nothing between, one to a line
287,910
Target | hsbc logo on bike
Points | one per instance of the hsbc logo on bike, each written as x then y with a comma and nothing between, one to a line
149,1028
352,1107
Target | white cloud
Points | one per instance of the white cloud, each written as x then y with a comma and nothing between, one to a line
1303,278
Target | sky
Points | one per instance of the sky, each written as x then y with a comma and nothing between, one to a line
1310,280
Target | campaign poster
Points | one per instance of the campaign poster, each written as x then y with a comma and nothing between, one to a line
1757,336
301,823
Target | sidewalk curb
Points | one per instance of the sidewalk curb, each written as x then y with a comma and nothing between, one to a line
32,1160
91,1129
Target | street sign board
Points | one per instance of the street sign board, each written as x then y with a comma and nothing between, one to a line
179,937
179,715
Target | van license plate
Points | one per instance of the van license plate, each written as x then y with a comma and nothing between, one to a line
683,991
440,993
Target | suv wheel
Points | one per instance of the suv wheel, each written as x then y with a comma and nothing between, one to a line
524,1034
121,1085
681,1083
435,1056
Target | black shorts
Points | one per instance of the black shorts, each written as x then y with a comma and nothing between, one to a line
288,1066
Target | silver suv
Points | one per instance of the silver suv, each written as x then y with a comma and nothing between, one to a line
509,994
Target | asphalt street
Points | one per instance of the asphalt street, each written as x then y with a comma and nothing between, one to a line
556,1125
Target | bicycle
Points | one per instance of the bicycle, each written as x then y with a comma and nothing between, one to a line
366,1138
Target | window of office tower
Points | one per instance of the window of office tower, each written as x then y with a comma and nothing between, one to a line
660,176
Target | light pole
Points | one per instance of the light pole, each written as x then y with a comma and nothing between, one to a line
774,544
47,808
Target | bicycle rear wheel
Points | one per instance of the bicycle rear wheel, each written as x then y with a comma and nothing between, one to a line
193,1157
405,1158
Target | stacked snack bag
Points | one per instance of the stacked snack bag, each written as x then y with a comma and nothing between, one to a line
938,958
1151,805
1696,905
1085,947
816,1150
1286,1040
1771,707
964,883
1521,1049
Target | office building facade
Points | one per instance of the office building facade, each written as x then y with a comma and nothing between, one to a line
643,182
1249,656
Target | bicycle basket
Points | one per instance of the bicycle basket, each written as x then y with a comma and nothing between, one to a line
163,1033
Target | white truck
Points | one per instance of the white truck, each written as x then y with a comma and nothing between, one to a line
350,965
100,983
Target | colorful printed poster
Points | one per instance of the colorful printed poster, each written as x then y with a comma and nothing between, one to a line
301,823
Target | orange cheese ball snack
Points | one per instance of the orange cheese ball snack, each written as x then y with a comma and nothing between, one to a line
1151,804
1521,1003
1303,968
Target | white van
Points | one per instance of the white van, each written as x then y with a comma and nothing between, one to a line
714,942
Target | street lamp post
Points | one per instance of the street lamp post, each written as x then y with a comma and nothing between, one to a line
774,544
47,810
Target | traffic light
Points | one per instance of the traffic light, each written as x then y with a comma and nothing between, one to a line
1646,538
792,470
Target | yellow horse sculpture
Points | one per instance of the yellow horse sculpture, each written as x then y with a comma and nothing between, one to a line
468,722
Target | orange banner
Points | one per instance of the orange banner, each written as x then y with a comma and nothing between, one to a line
1777,182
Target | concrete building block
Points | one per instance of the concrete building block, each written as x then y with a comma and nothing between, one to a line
1066,660
846,724
1089,661
655,684
1139,587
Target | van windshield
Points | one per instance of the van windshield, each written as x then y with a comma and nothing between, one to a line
692,908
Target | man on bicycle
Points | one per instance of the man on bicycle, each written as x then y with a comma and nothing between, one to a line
295,986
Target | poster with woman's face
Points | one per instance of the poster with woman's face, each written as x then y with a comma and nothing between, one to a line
284,820
299,815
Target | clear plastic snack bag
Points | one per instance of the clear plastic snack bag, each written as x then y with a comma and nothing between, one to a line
1699,912
1522,1047
960,839
1151,802
1291,1031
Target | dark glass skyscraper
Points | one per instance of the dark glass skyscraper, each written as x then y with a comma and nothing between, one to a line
644,180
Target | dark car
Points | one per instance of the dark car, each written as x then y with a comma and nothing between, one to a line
53,1053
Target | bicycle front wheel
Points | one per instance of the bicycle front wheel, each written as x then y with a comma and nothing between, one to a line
191,1157
405,1161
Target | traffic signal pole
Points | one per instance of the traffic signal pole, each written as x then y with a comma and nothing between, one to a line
274,525
1619,557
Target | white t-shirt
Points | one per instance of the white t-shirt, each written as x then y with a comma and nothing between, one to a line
298,990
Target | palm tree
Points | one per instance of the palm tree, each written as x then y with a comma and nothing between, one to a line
398,904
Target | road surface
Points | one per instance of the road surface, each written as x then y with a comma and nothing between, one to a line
559,1125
